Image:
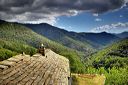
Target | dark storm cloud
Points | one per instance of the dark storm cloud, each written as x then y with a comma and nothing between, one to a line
47,10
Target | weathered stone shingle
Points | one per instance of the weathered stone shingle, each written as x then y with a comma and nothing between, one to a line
35,70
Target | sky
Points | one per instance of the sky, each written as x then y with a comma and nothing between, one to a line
72,15
114,22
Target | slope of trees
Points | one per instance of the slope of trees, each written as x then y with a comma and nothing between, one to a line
63,37
111,61
17,38
5,54
83,41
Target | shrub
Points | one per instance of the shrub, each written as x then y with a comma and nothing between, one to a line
5,54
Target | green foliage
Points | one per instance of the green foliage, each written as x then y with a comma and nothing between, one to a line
117,76
112,62
115,55
69,39
20,39
75,63
5,54
17,46
114,76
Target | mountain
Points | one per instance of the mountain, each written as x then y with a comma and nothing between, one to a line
2,21
85,42
101,39
122,35
16,38
62,36
112,62
115,55
96,40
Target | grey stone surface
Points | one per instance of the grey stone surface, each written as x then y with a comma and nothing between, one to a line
36,70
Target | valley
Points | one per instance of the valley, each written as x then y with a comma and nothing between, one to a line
88,53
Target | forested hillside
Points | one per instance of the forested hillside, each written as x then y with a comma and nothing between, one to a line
15,38
114,55
63,37
100,39
123,34
85,42
111,61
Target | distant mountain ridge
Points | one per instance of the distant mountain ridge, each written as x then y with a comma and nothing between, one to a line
2,21
84,42
90,40
101,39
61,36
123,34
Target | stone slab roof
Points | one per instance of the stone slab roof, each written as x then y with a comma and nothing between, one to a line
51,69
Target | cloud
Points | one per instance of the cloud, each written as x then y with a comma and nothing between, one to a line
98,19
95,14
121,16
38,11
107,28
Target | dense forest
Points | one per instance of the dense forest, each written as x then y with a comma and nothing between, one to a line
111,61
